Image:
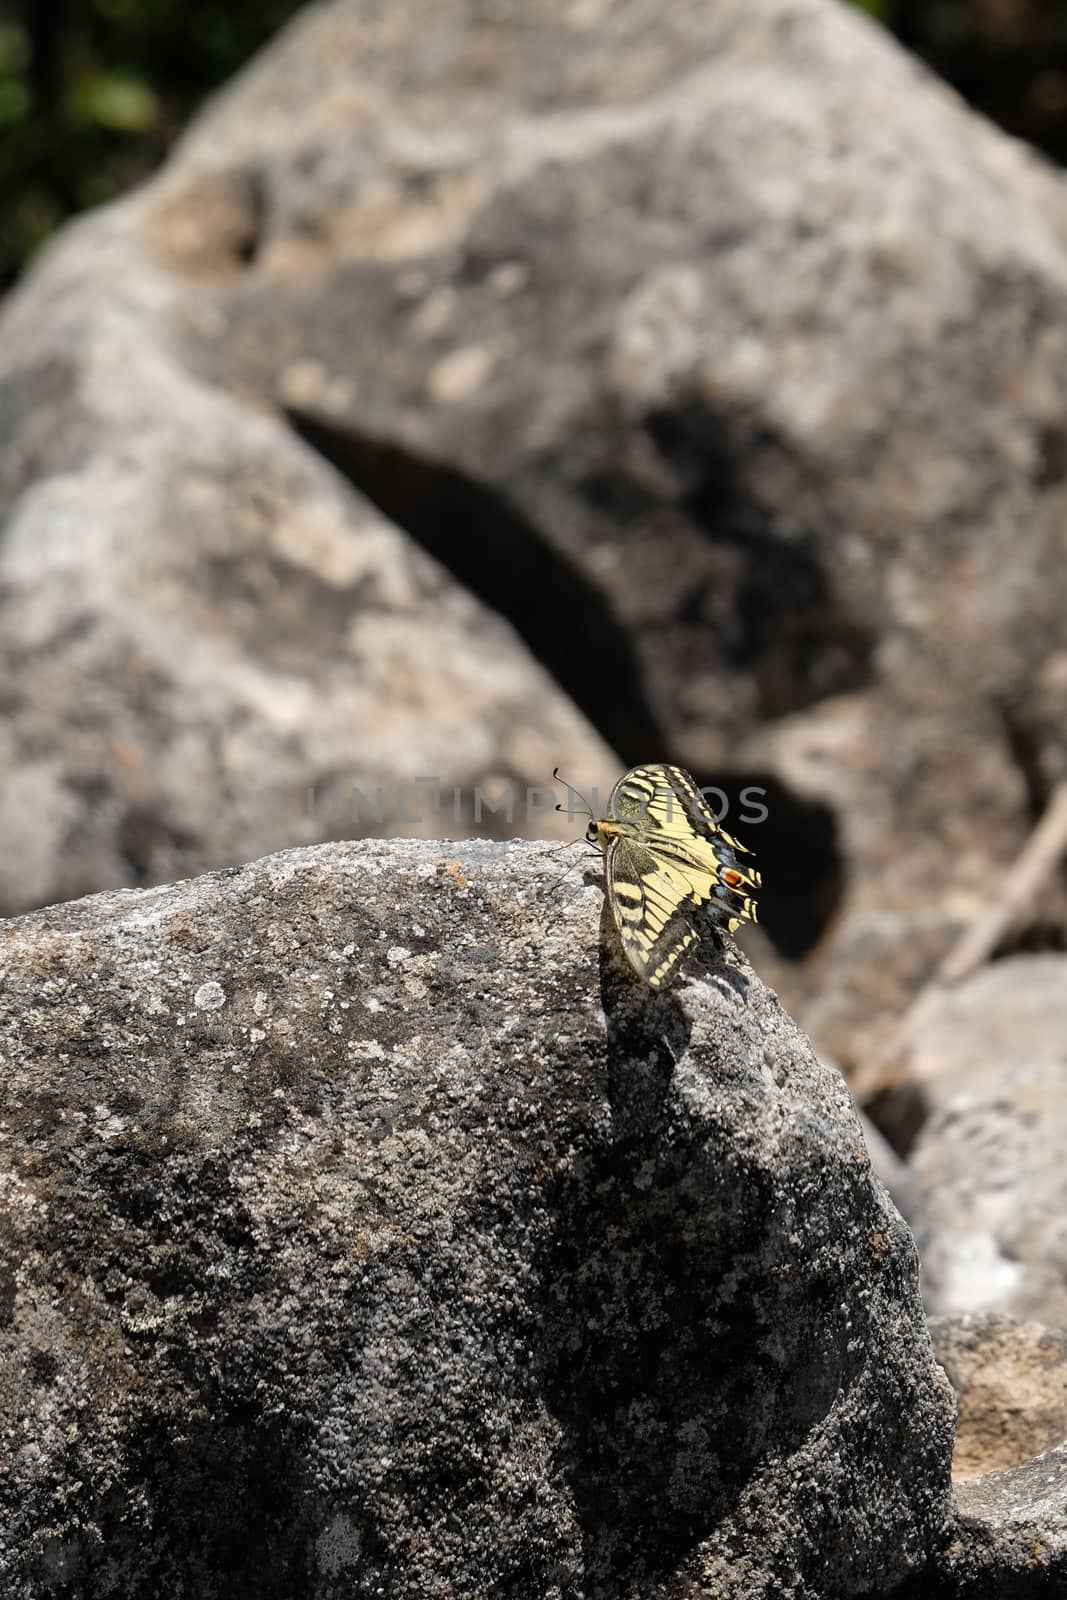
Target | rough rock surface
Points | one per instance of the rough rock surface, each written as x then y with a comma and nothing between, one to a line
991,1067
210,645
1009,1536
1010,1381
718,347
370,1231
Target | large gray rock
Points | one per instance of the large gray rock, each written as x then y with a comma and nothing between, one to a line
736,313
210,646
990,1064
367,1232
1010,1381
716,346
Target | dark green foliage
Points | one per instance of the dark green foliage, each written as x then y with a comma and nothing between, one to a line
93,91
1008,60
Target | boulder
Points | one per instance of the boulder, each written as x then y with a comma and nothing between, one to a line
990,1065
210,645
720,351
1010,1381
370,1230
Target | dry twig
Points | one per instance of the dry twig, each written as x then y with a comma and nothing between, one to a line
1019,887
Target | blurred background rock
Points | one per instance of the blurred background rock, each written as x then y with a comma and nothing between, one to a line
482,388
92,92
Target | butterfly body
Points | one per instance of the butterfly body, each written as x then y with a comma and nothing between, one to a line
668,869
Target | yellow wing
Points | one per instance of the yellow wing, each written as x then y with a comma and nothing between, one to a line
653,902
669,869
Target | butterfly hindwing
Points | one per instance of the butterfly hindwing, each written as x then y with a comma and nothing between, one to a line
668,865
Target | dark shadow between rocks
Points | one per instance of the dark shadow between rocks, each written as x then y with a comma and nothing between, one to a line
899,1112
498,554
997,1581
680,1344
794,636
797,850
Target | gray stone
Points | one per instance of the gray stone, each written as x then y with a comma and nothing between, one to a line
1010,1536
211,646
991,1067
717,347
369,1230
1010,1381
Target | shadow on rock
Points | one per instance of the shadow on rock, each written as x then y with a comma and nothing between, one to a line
679,1344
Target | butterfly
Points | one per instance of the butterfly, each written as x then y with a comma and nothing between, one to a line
668,868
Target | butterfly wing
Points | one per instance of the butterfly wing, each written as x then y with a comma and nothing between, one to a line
653,902
668,864
676,823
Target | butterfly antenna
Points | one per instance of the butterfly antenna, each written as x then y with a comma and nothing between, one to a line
568,808
569,811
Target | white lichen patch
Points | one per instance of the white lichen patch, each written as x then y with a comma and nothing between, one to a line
107,1124
339,1548
209,996
366,1050
16,1195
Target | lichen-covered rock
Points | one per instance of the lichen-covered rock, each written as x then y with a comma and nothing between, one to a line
988,1164
370,1231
